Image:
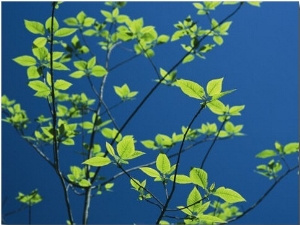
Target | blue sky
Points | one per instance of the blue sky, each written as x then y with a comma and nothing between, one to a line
259,58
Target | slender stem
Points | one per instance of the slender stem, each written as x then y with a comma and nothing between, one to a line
54,121
177,165
212,144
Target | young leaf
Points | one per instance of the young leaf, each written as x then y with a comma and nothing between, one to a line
99,71
25,60
291,148
211,219
190,88
125,148
214,86
63,32
42,89
150,172
62,84
48,24
97,161
216,107
266,153
34,27
110,149
194,200
181,179
228,195
163,163
84,183
199,176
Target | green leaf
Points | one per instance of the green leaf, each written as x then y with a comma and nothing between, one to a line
32,72
71,21
218,39
291,148
228,195
194,200
254,3
25,60
97,161
91,63
84,183
191,88
99,71
216,107
125,148
34,27
110,149
40,42
266,153
62,84
162,39
214,86
81,65
68,141
59,66
199,176
188,58
150,172
77,74
48,24
63,32
211,219
42,89
230,3
149,144
235,110
181,179
163,163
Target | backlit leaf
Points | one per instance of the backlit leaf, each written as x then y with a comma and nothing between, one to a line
291,148
125,148
190,88
214,86
77,74
194,200
266,153
163,163
48,24
42,89
97,161
99,71
62,84
63,32
199,176
228,195
110,149
150,172
181,179
25,60
211,219
34,27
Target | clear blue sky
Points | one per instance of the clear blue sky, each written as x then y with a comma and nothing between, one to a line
259,58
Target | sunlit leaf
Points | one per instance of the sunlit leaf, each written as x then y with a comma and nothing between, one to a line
62,84
190,88
199,176
25,60
97,161
34,27
63,32
163,163
266,153
228,195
